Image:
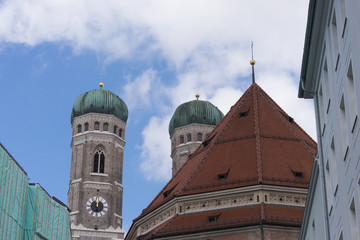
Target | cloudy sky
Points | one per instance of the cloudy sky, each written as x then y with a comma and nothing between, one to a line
155,55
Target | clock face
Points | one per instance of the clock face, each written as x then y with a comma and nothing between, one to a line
97,206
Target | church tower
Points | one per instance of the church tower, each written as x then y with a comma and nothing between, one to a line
95,193
189,126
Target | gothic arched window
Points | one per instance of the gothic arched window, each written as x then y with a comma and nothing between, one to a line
86,126
79,128
199,137
120,132
189,137
99,161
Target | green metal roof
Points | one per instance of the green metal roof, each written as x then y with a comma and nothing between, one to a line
196,111
100,101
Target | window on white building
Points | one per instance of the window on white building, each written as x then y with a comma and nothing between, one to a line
326,87
353,111
333,166
343,16
341,236
328,185
321,107
343,127
335,40
353,220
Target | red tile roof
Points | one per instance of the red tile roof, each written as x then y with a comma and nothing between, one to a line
228,218
255,143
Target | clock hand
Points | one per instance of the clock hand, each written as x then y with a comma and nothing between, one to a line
97,202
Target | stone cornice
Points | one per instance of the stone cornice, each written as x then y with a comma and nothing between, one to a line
218,200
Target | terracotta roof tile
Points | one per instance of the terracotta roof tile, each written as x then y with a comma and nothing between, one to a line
256,142
228,218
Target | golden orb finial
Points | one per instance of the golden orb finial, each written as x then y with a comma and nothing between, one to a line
101,85
252,62
197,95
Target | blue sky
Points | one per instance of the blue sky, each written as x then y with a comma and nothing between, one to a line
155,55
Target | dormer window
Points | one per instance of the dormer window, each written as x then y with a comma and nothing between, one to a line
213,218
223,176
106,127
298,174
97,126
79,128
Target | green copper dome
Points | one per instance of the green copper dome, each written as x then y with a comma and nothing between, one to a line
99,101
197,111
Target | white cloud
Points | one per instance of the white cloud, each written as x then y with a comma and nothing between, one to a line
283,89
156,164
138,91
206,44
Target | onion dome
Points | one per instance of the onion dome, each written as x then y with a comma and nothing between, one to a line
100,101
196,111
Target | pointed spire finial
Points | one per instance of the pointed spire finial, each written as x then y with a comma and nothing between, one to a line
197,95
101,85
252,62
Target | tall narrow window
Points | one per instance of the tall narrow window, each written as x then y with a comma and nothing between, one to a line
99,161
353,111
79,128
106,127
120,132
353,220
335,40
115,129
341,236
86,126
199,137
343,126
328,185
313,229
189,137
326,87
333,166
96,125
343,15
321,105
181,139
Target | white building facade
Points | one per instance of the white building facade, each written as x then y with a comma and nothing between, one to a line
331,76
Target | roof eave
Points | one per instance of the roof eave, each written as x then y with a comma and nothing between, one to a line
313,47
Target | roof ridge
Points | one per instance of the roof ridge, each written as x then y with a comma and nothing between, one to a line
277,110
217,134
257,134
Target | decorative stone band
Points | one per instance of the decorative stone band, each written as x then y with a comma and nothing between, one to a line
103,185
99,174
119,185
162,217
78,231
222,200
76,180
79,142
